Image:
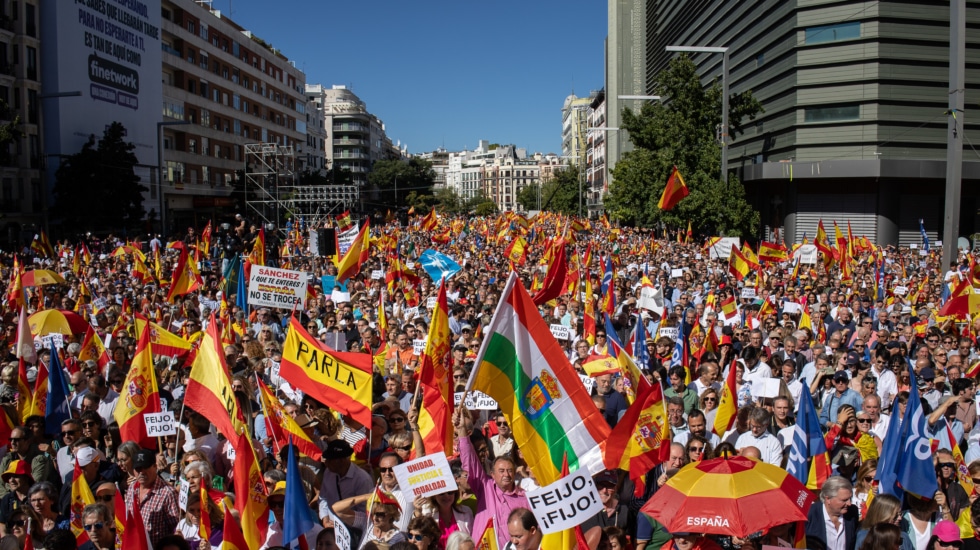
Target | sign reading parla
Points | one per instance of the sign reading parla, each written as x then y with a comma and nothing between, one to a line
274,287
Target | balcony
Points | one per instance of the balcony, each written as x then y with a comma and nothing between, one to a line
351,128
350,155
351,142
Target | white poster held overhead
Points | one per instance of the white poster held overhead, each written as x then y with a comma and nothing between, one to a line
279,288
426,476
565,503
652,299
345,239
723,248
806,254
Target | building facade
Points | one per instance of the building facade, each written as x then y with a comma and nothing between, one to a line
223,88
595,174
23,200
855,97
574,120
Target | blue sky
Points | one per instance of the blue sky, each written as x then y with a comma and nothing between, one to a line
444,72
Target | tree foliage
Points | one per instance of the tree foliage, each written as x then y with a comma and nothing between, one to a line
97,189
559,194
395,179
680,131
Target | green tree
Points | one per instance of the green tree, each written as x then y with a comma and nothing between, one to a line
558,194
97,189
527,197
486,208
680,131
448,200
395,179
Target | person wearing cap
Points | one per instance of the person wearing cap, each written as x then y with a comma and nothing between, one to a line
341,479
945,535
273,538
42,466
929,392
157,499
613,513
18,479
841,395
89,460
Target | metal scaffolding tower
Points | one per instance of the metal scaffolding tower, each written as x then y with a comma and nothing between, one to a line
274,194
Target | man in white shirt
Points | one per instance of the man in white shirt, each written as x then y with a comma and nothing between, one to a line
697,425
755,368
879,421
887,383
708,376
758,436
832,522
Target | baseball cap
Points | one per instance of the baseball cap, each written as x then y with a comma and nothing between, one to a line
927,373
852,359
947,531
144,458
841,376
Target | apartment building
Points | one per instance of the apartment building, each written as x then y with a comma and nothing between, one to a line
223,88
595,174
496,172
316,136
574,121
22,197
855,97
355,138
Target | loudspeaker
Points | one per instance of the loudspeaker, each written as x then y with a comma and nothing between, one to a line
327,241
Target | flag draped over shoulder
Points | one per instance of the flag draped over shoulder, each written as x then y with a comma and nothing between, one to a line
524,369
674,191
140,396
342,379
434,374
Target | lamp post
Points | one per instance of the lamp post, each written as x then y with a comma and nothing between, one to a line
162,203
723,50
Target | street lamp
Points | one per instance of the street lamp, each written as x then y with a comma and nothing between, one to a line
162,203
723,50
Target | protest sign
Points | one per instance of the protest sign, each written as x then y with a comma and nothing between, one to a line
676,273
748,293
806,254
652,299
565,503
410,312
791,307
278,288
45,342
723,248
160,424
419,346
426,476
669,332
185,489
430,302
377,274
346,239
560,332
588,382
340,533
476,401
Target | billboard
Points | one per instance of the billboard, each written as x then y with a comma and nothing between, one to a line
109,50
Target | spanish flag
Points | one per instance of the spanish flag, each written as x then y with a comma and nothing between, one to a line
140,397
162,341
257,256
641,439
674,191
342,379
488,540
185,278
209,389
729,309
430,221
517,251
250,492
282,426
738,265
435,381
965,304
772,252
727,404
39,399
81,496
356,255
554,279
232,537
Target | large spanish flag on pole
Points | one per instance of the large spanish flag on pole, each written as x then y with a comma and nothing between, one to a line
641,439
209,389
674,191
727,404
282,426
250,493
140,397
341,379
185,278
523,367
435,416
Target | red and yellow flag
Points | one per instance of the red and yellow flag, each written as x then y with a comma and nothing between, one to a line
641,439
727,404
356,255
430,221
209,389
674,191
516,252
282,426
232,537
250,492
81,496
435,379
738,265
163,342
342,379
185,278
772,252
140,396
39,399
257,255
488,540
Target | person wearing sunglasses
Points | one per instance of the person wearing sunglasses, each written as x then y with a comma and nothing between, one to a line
99,525
945,536
277,505
18,479
503,442
954,497
423,532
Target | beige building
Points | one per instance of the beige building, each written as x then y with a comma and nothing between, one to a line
223,88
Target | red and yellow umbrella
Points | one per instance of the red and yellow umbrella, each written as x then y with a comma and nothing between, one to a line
57,321
38,277
734,496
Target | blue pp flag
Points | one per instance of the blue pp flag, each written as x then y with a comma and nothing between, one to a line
807,440
640,353
925,238
57,404
241,294
891,449
611,333
297,517
438,265
916,473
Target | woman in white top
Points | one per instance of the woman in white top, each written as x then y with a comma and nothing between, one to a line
450,516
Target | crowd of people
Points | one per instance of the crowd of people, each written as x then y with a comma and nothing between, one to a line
853,340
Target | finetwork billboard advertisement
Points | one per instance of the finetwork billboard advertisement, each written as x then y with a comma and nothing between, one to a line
109,50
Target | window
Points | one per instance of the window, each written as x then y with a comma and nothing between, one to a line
833,33
832,114
31,63
29,11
